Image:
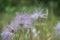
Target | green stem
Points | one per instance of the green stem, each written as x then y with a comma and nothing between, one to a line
30,34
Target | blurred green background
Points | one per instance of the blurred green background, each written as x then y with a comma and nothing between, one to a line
9,7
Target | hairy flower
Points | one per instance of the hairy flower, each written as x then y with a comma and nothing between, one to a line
21,21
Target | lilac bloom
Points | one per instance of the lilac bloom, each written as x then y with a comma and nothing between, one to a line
21,21
38,13
6,34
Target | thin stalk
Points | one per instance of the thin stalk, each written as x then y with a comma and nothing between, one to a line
30,34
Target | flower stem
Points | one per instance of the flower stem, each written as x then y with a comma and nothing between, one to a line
30,34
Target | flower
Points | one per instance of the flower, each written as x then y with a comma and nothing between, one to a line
6,34
38,13
22,21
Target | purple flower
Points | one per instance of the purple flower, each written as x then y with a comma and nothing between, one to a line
21,21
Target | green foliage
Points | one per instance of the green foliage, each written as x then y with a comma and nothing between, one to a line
15,3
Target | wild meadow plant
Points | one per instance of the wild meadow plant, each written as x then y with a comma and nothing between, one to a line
20,22
57,31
